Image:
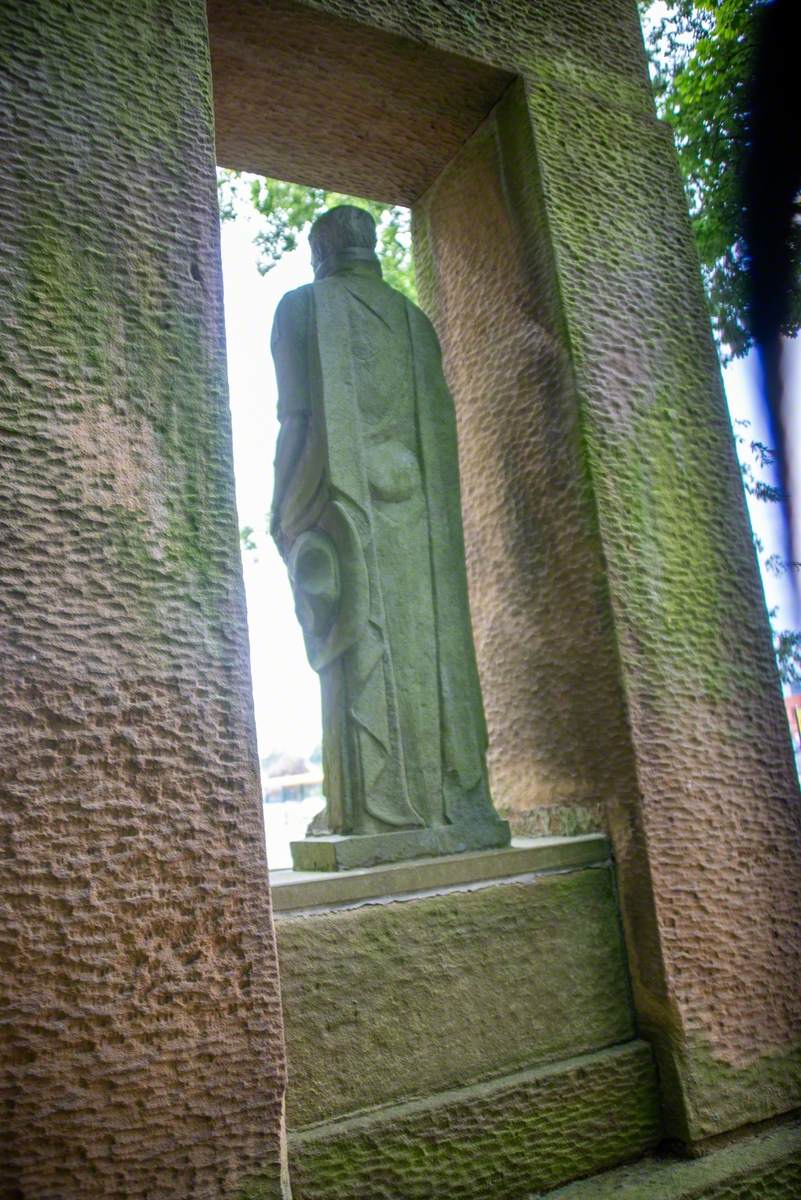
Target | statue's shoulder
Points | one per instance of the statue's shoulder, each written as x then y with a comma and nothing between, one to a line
296,301
292,316
421,325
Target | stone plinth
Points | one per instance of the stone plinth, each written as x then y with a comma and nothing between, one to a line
503,1138
294,891
763,1166
459,992
337,852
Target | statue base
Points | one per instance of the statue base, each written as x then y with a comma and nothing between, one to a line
342,852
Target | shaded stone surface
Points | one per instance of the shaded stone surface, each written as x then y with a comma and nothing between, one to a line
438,99
398,999
504,1138
560,748
141,1052
763,1166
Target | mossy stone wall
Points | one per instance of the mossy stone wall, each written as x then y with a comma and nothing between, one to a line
765,1165
515,1137
143,1050
387,1001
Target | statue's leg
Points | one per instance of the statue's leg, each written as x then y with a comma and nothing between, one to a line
336,774
402,544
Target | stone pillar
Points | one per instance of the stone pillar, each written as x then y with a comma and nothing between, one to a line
717,800
142,1052
617,602
559,741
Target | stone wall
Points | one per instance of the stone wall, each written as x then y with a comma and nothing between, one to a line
560,749
142,1053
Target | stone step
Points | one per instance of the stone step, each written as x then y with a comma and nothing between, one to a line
508,1137
762,1166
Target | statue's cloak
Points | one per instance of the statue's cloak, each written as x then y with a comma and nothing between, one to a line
330,492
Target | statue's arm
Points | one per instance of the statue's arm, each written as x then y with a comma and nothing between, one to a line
289,344
291,440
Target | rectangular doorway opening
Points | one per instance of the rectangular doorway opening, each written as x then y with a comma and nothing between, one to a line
335,106
264,255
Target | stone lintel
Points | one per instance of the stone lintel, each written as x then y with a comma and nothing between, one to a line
341,852
319,115
292,890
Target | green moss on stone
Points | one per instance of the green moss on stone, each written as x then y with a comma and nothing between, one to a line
262,1187
504,1138
390,1000
723,1096
763,1166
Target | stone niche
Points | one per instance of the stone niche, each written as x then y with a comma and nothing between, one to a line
620,631
490,994
368,112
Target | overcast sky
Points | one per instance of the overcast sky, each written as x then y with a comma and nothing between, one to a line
286,691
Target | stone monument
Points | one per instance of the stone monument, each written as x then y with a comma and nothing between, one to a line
366,514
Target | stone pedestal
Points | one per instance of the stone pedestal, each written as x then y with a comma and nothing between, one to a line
338,852
460,1026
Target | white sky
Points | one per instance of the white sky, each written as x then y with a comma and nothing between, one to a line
286,690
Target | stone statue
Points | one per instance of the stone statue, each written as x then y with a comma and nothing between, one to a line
366,515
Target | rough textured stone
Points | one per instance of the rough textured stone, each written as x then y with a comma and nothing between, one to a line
287,122
401,999
719,811
505,1138
485,270
706,820
141,1046
685,846
309,889
111,290
765,1166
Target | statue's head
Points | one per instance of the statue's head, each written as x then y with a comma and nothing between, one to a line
345,227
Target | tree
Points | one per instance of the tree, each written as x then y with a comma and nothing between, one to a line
287,209
701,54
754,457
787,644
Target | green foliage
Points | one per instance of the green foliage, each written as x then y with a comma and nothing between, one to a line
246,538
701,54
287,209
762,457
787,644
